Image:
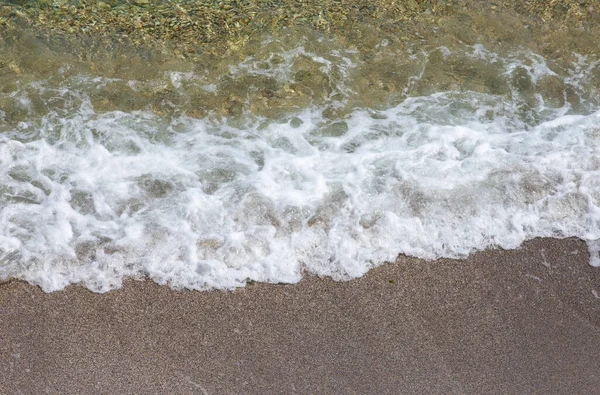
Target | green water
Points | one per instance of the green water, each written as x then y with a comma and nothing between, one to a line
388,66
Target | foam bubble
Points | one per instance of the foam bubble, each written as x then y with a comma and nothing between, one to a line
95,197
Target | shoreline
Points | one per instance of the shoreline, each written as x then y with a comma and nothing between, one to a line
500,321
524,320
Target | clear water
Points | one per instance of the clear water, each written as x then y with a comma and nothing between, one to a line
299,156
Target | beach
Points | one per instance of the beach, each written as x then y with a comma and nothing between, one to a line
519,321
264,196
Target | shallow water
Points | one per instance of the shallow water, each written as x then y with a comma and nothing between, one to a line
300,152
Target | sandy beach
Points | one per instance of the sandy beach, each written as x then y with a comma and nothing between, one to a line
522,321
210,143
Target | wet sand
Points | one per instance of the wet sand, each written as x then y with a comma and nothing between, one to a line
523,321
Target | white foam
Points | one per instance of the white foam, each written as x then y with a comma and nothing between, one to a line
95,198
594,249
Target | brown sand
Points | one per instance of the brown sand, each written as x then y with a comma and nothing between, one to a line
523,321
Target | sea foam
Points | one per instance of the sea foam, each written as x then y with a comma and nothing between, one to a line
95,197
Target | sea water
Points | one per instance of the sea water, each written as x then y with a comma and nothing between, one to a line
334,181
